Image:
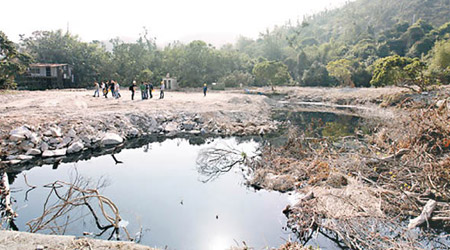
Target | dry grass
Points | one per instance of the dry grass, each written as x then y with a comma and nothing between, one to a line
365,195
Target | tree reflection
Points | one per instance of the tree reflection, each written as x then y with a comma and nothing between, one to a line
214,161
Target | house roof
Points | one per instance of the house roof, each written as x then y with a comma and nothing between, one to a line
48,64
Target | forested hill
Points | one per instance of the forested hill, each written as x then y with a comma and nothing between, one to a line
360,16
351,39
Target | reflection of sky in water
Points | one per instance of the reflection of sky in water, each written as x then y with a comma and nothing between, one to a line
149,186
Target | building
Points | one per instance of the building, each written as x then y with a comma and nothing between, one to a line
47,76
170,82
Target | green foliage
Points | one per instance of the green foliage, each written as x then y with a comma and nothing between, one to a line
342,71
317,75
145,76
440,62
236,78
271,73
441,55
400,71
89,60
12,62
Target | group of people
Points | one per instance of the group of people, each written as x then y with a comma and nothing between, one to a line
145,88
106,87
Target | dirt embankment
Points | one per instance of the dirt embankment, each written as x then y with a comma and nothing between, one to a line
10,240
57,123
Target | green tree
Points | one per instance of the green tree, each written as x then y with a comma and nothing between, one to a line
89,60
400,71
12,62
145,75
236,78
271,73
342,70
317,75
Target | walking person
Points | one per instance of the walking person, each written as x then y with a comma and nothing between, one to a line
106,90
161,94
133,89
205,88
117,90
103,86
97,89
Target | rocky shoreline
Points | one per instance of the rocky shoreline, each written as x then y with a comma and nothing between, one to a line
56,140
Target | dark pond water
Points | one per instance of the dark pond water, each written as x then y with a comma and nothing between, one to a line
158,187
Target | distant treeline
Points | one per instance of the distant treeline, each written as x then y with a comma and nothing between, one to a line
366,42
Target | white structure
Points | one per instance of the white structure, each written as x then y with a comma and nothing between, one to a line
170,82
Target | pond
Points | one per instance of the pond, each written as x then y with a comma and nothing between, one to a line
161,188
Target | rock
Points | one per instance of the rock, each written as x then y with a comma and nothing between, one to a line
111,139
56,131
54,141
195,132
24,157
14,162
85,139
198,119
48,133
133,132
11,157
54,153
44,146
188,126
171,127
34,138
20,133
33,151
72,133
75,147
64,143
25,145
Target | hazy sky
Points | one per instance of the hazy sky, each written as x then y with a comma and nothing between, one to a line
167,20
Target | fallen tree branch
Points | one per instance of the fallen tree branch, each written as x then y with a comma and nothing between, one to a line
424,216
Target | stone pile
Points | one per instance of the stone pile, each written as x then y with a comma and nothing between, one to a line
57,139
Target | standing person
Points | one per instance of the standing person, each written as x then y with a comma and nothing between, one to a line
111,87
142,87
133,89
161,94
103,88
97,89
147,89
117,90
150,90
205,88
105,91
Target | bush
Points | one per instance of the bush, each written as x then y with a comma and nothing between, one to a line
236,78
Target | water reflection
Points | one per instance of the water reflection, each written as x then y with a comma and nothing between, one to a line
161,191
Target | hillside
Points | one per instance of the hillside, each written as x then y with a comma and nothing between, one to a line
374,15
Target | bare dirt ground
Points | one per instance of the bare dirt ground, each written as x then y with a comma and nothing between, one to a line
35,107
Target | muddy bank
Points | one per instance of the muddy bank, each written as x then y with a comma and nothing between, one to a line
20,240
